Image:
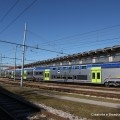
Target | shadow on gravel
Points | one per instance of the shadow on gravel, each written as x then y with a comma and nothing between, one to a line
31,110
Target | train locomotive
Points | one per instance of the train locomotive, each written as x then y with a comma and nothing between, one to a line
102,73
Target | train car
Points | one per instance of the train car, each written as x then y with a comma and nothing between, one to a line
11,74
104,73
62,73
17,74
39,73
7,73
3,73
74,73
27,74
109,74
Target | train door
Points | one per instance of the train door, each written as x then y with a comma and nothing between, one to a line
5,74
25,75
47,75
96,75
12,74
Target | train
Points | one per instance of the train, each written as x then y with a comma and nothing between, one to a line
107,74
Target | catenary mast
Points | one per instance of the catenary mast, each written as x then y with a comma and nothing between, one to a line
23,53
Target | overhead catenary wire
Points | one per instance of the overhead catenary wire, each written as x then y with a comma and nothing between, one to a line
85,39
7,63
108,41
93,44
75,35
78,45
16,58
32,47
85,42
9,10
19,15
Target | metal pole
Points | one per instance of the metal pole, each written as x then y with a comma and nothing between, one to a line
15,63
23,52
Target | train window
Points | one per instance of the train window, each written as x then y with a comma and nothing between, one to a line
74,77
83,67
40,73
30,73
58,76
48,75
58,68
76,67
64,68
53,68
69,77
45,74
64,77
52,76
81,77
69,67
98,75
93,75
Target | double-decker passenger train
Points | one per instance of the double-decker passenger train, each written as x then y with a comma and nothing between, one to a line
102,73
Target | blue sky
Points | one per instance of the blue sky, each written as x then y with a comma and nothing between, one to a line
68,26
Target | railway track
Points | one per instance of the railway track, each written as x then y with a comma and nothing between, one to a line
86,90
14,107
83,86
72,85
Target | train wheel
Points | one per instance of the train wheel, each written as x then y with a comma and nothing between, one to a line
107,84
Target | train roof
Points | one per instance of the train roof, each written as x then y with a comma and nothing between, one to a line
28,68
41,68
84,66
